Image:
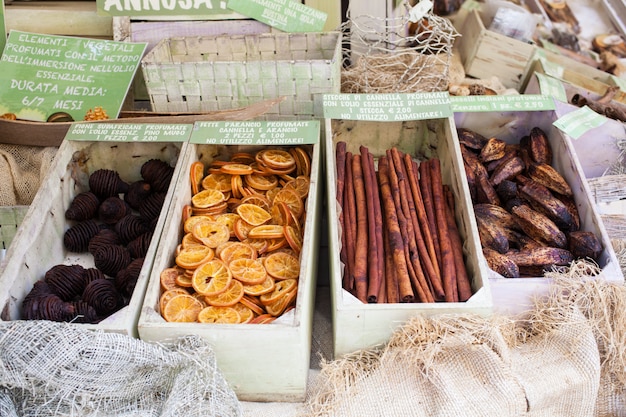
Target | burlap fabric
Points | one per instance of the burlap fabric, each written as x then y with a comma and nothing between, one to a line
22,170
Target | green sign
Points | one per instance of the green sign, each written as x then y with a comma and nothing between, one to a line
551,87
387,107
286,15
196,8
619,82
578,122
516,102
129,132
3,26
256,132
46,74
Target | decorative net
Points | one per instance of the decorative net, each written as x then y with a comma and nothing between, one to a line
59,369
396,55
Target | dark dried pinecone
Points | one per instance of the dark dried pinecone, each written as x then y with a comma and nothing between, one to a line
102,238
112,210
51,307
83,312
106,183
126,279
137,192
92,274
111,259
84,206
30,304
66,281
138,248
77,237
150,208
130,227
102,296
158,173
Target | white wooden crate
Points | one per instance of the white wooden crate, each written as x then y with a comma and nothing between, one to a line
515,295
261,362
38,243
362,326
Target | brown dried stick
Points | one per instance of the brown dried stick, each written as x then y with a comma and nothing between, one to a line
360,253
340,164
374,277
463,284
391,283
349,225
394,236
427,197
379,225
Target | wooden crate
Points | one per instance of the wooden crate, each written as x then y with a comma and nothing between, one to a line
515,295
362,326
10,219
225,72
38,243
485,53
261,362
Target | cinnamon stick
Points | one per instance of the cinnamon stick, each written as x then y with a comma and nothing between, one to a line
349,229
379,227
340,164
360,253
394,236
391,283
463,284
373,269
427,197
445,247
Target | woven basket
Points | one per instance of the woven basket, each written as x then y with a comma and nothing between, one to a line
193,74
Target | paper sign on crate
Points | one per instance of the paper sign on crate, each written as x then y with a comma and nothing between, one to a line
256,133
129,132
286,15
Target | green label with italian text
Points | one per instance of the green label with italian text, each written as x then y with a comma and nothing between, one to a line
256,133
551,87
387,107
517,102
286,15
578,122
129,132
46,74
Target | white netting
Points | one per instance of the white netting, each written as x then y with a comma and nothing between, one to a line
396,55
57,369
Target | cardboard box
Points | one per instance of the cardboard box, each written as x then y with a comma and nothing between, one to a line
38,244
515,295
261,362
362,326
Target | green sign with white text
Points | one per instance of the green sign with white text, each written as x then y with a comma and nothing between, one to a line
195,8
286,15
46,74
129,132
514,102
3,26
281,133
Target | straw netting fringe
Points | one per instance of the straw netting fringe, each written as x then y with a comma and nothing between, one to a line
59,369
395,55
566,357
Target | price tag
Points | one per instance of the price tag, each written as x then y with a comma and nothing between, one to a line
256,133
517,102
578,122
551,87
129,132
286,15
387,107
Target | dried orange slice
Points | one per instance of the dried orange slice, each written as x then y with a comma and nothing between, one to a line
259,244
263,319
248,271
279,306
260,289
184,280
261,182
275,244
168,278
236,169
196,174
242,158
188,240
211,234
281,266
253,303
211,211
294,238
300,184
187,212
258,200
303,161
193,256
191,221
230,297
266,231
253,214
182,309
280,289
241,229
244,311
236,185
216,181
211,278
292,199
270,194
237,250
276,159
207,198
221,315
169,294
228,219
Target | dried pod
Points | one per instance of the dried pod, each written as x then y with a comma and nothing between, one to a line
137,192
83,312
30,304
52,308
83,207
110,259
66,281
550,178
77,237
126,279
112,210
106,183
131,227
92,274
539,148
102,238
508,170
493,149
151,207
585,245
471,139
544,257
158,174
501,263
102,295
138,247
539,227
542,200
507,190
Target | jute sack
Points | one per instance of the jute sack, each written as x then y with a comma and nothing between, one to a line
22,170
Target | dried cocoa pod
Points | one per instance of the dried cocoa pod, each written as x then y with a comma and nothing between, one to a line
550,178
507,190
84,206
507,170
510,151
471,139
492,235
521,241
544,257
539,148
501,264
485,193
496,214
584,244
493,149
569,202
542,200
539,227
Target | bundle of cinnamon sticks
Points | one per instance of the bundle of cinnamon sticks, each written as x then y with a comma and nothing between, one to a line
400,241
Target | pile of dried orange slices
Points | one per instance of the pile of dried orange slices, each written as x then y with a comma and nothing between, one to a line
239,258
